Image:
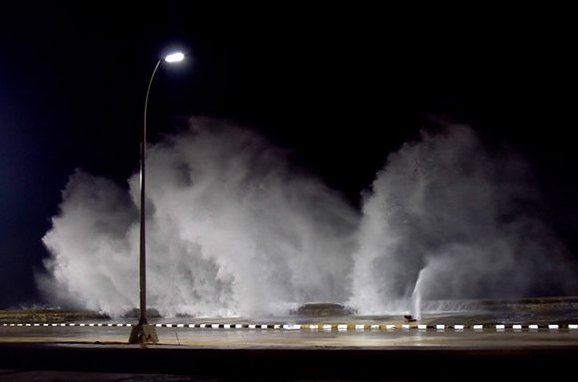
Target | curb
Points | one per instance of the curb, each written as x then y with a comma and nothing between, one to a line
317,327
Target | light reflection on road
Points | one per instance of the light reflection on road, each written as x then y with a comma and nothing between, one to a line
373,330
279,338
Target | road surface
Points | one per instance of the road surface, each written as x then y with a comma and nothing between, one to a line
527,343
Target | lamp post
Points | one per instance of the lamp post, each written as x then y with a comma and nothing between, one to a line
143,332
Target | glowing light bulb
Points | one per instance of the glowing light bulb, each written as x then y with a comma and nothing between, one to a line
175,57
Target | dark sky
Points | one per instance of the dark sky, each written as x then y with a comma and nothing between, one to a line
341,88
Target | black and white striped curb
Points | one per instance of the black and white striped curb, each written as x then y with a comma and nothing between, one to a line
319,327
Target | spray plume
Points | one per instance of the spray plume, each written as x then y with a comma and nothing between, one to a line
234,230
463,216
230,231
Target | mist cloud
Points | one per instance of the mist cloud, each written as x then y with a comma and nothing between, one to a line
467,216
233,229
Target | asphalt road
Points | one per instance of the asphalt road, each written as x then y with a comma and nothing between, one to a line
552,363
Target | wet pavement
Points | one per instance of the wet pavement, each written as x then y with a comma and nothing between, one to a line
506,325
302,338
539,341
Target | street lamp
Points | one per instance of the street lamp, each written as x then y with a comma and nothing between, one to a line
143,332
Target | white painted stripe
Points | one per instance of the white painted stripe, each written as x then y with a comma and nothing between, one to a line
312,327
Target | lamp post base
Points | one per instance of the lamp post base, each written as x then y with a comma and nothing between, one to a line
143,333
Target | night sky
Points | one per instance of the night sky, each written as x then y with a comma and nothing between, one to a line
340,88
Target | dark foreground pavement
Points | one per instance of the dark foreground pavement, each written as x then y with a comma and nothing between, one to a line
184,363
